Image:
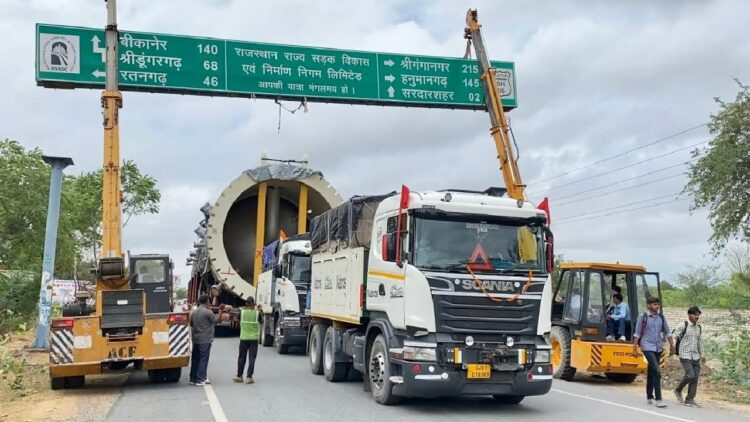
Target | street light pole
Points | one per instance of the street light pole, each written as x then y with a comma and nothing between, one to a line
50,244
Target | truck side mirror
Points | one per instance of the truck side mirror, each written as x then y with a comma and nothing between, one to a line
277,270
389,247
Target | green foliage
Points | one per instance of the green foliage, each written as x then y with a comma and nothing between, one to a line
181,293
733,354
720,179
12,371
18,297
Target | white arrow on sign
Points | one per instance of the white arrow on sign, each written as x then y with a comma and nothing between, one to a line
98,74
391,91
388,63
97,49
390,78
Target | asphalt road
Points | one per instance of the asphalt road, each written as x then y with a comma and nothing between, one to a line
285,390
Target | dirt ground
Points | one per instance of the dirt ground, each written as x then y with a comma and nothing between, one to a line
711,393
30,398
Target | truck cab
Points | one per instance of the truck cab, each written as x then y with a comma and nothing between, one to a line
582,318
282,292
153,274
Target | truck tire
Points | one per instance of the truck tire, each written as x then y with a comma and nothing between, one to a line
266,339
623,378
317,334
508,399
173,375
57,383
75,382
379,373
560,341
157,376
334,371
281,349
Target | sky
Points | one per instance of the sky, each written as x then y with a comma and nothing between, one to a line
597,82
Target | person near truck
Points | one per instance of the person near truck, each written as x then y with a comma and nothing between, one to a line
648,332
250,319
691,356
202,321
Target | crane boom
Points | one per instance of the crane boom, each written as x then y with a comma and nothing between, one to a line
500,130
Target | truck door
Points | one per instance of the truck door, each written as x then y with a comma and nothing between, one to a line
593,322
153,276
385,287
646,285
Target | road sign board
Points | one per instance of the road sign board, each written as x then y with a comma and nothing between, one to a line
73,57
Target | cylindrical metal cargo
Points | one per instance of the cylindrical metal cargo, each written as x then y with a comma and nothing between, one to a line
231,228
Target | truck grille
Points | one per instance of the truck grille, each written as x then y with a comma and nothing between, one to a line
456,314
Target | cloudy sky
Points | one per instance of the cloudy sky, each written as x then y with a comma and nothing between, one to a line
595,80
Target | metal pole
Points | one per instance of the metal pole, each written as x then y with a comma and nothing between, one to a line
50,244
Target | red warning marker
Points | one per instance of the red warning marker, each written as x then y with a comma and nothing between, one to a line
479,252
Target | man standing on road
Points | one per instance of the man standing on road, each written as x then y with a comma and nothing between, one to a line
649,328
689,349
249,334
202,321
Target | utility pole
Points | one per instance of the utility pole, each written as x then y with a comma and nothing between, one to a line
50,245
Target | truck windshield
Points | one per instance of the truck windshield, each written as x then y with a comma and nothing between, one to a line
486,245
149,271
299,268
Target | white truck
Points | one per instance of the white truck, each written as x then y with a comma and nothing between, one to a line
282,293
433,294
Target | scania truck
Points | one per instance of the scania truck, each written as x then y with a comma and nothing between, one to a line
432,294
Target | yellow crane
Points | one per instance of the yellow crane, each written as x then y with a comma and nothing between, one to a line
132,322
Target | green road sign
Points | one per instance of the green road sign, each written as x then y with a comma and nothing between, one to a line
73,57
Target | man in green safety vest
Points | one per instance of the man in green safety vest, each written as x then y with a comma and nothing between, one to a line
250,319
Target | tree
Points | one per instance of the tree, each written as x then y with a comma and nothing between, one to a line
697,285
720,178
24,190
181,293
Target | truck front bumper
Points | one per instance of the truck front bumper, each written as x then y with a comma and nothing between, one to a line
295,335
447,380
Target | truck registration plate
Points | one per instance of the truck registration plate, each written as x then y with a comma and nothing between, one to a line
478,371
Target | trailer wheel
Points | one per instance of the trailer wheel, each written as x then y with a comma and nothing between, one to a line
75,382
508,399
173,375
334,371
57,383
379,373
623,378
266,339
317,333
560,341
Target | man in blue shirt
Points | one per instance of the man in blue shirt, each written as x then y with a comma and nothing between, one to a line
648,332
618,318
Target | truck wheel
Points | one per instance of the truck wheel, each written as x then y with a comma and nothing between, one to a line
379,373
560,341
173,375
57,383
266,339
623,378
75,382
334,371
156,376
316,348
281,349
508,399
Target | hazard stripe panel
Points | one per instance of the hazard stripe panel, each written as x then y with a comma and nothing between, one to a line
61,346
179,340
596,355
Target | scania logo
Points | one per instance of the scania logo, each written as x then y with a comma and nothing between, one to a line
489,285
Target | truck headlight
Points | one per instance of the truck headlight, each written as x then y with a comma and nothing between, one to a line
541,356
419,354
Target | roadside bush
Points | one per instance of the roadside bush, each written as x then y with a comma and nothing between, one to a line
19,293
732,354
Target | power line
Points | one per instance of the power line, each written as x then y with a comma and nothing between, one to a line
562,219
621,181
620,190
623,211
618,169
674,135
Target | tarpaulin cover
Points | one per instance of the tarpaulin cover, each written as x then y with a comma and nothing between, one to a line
347,226
281,171
270,255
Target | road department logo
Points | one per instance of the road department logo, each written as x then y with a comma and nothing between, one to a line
59,53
